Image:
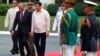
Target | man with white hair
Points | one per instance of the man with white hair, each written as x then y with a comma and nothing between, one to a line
9,23
23,19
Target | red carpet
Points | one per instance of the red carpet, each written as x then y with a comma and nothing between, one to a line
78,53
52,54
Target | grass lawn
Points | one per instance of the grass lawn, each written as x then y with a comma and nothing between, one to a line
2,18
2,23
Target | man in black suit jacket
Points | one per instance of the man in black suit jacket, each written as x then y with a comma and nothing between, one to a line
23,19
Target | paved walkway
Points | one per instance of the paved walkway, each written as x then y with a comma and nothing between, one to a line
6,45
52,46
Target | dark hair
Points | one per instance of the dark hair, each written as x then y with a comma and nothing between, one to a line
39,3
89,5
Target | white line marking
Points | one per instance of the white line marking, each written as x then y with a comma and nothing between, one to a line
8,33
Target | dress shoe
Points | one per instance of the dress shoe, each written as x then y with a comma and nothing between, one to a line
14,52
28,55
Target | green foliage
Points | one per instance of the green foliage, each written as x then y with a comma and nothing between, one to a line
58,2
52,9
4,8
79,8
97,9
0,1
2,19
79,1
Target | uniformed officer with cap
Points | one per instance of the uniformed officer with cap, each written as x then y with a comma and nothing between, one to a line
91,45
68,29
31,38
30,6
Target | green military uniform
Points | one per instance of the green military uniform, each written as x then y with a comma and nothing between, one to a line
69,27
31,39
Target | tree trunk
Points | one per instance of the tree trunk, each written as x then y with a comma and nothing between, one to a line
5,1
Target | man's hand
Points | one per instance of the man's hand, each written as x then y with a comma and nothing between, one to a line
47,34
30,34
12,33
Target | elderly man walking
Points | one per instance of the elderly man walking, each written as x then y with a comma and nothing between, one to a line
23,19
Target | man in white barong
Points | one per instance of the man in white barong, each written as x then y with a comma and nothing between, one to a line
10,17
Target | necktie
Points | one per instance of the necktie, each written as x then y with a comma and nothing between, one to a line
21,18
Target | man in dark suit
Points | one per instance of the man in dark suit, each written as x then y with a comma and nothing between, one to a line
23,19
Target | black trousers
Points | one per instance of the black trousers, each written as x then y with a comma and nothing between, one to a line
23,38
40,43
15,42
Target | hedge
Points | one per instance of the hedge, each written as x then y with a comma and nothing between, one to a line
79,8
4,8
52,9
97,9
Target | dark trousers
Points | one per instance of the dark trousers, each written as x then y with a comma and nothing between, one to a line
23,43
40,43
15,42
